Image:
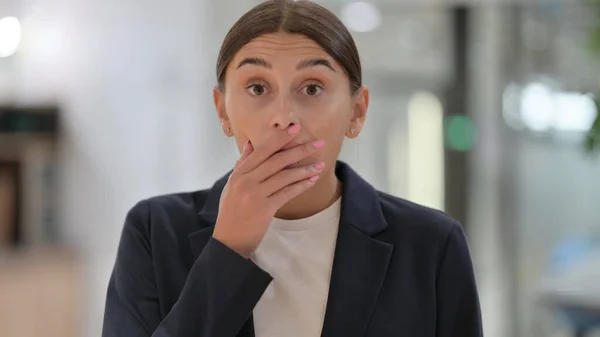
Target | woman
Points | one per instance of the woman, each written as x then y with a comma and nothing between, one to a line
291,242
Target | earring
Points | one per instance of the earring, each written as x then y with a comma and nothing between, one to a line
227,130
352,131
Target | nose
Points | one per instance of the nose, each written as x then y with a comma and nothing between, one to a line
283,120
284,115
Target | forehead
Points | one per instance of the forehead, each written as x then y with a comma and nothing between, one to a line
281,46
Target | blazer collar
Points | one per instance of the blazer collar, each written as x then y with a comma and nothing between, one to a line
360,202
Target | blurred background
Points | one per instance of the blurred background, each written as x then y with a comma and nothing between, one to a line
483,108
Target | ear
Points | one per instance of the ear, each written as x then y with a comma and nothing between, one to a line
359,112
219,100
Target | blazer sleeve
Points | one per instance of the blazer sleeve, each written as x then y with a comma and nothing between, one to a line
458,310
218,297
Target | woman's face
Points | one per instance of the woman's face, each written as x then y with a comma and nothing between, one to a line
281,79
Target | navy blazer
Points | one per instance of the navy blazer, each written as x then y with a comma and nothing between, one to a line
399,269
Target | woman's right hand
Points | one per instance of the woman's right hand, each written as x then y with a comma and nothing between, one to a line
259,185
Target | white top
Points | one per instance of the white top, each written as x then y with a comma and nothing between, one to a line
298,254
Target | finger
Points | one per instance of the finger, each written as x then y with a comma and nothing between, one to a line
283,159
289,192
264,152
246,151
289,176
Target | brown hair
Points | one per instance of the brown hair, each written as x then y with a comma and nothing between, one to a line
294,17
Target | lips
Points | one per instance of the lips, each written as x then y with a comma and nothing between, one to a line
289,145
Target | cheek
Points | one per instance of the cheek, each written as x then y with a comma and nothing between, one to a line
325,116
327,121
243,112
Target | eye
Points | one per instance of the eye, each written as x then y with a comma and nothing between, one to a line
256,89
312,89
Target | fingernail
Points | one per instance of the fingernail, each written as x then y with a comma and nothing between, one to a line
319,144
245,146
294,129
320,165
313,179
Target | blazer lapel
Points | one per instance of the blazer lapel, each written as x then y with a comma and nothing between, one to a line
198,240
207,217
360,261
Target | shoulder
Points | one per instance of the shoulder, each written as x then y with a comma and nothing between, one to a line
171,203
431,237
178,202
417,224
177,211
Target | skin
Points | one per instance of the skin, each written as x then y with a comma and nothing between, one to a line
275,84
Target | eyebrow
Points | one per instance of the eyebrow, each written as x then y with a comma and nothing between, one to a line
257,61
314,62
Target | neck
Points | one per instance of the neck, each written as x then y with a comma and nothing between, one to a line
325,192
